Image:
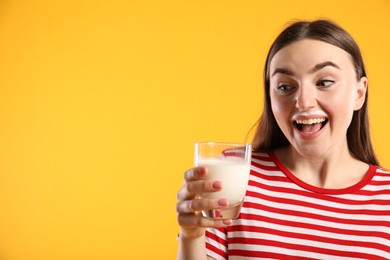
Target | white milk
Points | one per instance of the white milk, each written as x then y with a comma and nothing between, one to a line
234,174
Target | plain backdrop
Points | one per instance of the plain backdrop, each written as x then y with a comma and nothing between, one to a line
101,102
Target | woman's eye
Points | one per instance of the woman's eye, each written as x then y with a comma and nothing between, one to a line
324,83
284,87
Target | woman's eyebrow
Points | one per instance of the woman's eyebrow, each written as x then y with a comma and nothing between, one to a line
323,65
282,71
316,68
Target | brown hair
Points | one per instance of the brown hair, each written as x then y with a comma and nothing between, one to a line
269,136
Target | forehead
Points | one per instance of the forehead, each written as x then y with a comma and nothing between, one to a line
310,52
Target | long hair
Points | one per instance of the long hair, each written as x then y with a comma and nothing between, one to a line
269,136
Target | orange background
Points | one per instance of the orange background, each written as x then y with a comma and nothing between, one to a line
101,102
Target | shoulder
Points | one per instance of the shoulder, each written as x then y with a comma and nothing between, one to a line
262,156
381,170
380,176
263,159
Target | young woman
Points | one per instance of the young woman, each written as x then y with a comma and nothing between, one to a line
316,190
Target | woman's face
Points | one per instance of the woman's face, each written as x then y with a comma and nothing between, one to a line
314,91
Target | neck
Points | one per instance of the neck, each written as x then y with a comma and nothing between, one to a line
333,171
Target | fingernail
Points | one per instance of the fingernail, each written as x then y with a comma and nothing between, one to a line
227,222
203,170
217,185
223,202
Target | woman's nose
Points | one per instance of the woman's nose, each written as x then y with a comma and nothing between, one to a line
305,97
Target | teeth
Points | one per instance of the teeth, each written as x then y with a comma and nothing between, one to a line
310,121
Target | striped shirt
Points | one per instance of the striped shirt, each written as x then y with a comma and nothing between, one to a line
285,218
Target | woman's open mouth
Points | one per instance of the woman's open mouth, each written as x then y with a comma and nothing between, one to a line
310,126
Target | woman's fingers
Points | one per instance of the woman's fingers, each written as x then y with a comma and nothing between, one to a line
197,187
188,221
192,188
191,206
196,173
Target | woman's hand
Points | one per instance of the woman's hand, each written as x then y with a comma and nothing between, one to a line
189,205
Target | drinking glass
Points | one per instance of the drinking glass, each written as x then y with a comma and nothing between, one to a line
230,164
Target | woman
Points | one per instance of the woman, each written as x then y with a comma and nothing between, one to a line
316,190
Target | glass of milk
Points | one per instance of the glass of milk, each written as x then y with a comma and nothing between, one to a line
229,163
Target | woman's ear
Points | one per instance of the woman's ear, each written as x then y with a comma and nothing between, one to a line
361,93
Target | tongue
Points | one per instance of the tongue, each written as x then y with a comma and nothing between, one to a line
310,128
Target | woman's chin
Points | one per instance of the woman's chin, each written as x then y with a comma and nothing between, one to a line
310,151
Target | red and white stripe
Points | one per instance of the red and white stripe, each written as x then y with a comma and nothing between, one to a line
285,218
